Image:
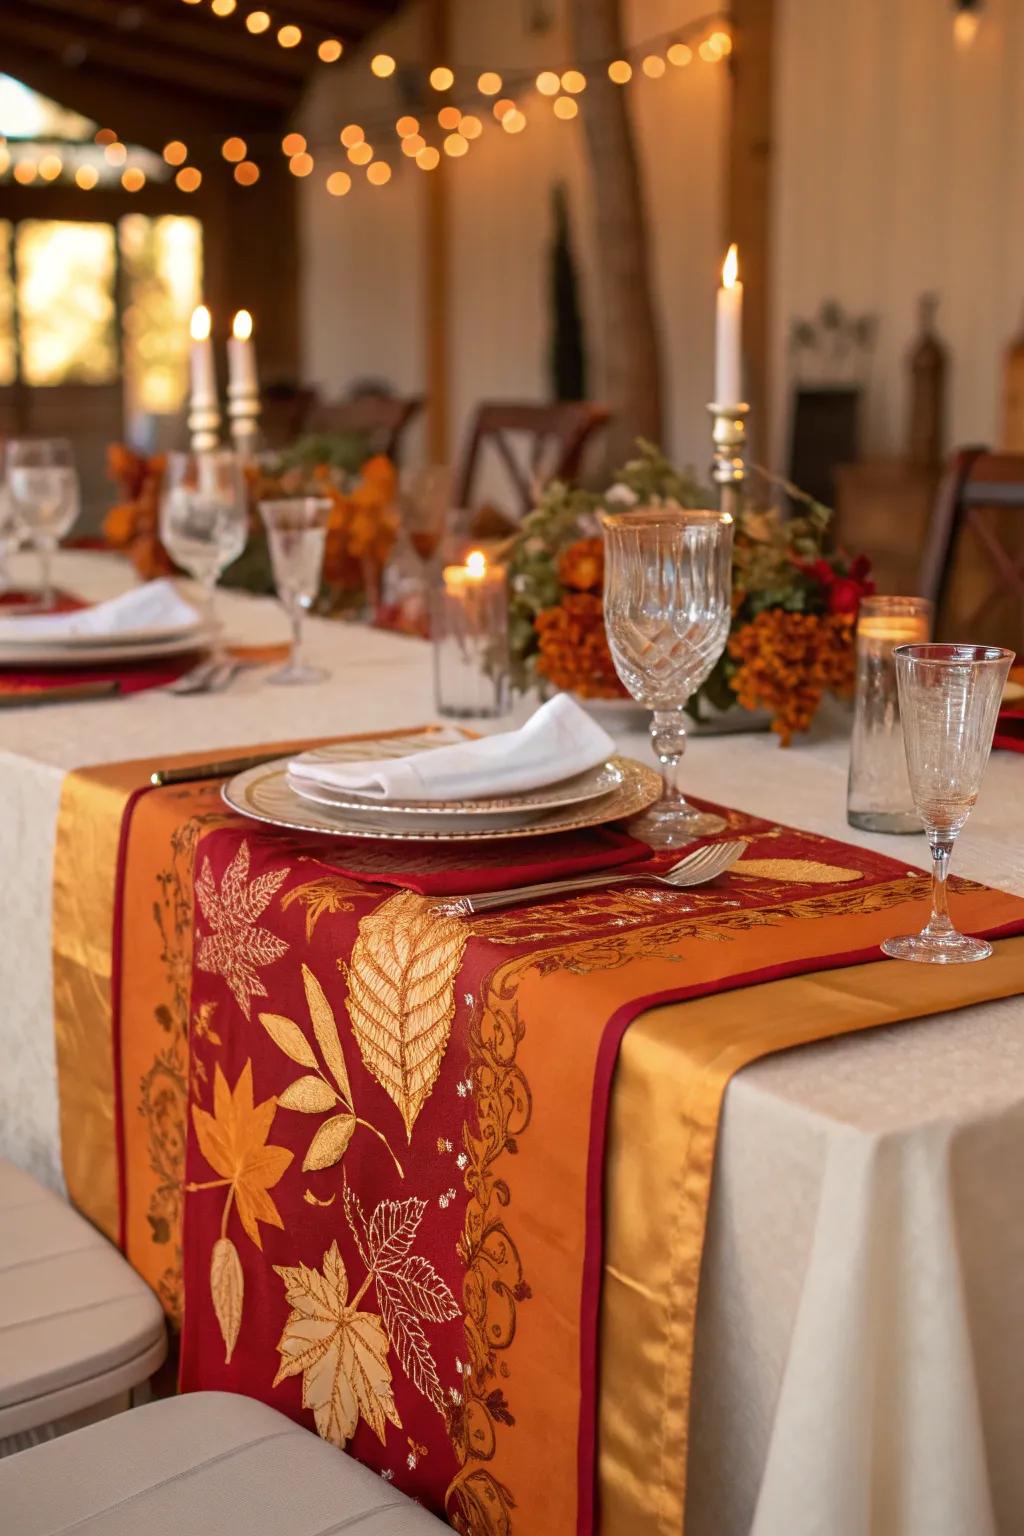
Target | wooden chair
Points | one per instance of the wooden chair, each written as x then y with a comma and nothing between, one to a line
285,412
974,513
380,419
550,440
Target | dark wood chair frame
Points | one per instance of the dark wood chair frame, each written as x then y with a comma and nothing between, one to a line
977,484
558,432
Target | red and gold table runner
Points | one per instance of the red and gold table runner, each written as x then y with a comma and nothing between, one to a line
397,1127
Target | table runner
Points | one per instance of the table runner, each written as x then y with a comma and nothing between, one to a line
538,1006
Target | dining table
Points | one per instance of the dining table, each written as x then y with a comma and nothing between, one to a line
861,1317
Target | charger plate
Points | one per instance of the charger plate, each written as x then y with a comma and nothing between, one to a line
264,794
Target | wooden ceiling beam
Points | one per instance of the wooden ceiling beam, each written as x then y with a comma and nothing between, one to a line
345,18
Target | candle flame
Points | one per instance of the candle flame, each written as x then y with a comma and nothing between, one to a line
731,267
965,27
241,325
199,328
476,562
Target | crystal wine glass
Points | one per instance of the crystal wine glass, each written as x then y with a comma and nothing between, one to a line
949,700
667,610
43,485
204,517
297,534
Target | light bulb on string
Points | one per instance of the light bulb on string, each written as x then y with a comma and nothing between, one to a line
407,126
428,158
565,108
966,21
489,83
470,126
382,65
293,144
329,51
620,72
679,55
339,183
548,83
653,66
449,118
257,22
574,81
247,174
442,78
412,144
351,134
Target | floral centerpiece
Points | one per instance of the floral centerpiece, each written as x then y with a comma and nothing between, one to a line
795,598
361,532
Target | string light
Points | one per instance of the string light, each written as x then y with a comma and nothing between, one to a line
175,153
722,41
382,65
565,107
470,127
412,144
234,149
50,167
455,145
710,51
133,179
442,78
574,81
514,121
620,72
428,159
339,183
379,173
289,36
293,144
25,172
407,126
653,66
86,177
257,22
680,55
188,179
223,7
502,108
449,118
548,83
247,174
361,153
489,83
301,164
329,52
104,136
351,134
966,21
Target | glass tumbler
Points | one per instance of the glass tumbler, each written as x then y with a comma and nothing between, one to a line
878,797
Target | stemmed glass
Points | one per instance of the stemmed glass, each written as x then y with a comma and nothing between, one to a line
297,534
667,610
43,485
949,700
204,517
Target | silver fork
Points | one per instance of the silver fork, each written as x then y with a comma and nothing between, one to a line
695,869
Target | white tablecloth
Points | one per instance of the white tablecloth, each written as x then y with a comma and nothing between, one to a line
861,1325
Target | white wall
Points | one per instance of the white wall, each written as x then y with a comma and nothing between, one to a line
899,167
363,294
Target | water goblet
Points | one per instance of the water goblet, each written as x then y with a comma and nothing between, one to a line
204,517
297,534
667,611
43,485
949,700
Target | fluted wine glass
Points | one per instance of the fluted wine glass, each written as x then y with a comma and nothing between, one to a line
667,610
297,536
204,518
42,483
949,700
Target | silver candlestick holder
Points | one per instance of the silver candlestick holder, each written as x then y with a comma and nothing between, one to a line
729,462
244,418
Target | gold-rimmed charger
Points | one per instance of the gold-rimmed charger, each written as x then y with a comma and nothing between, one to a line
263,794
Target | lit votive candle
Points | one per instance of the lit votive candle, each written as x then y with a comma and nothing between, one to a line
878,795
469,624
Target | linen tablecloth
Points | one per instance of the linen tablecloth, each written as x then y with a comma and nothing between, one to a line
782,1431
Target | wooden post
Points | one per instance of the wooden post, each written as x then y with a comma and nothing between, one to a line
436,266
748,198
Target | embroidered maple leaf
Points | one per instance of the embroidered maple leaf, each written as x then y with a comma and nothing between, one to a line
238,947
340,1351
234,1142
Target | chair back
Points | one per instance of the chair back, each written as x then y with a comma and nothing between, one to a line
535,444
380,419
979,508
285,412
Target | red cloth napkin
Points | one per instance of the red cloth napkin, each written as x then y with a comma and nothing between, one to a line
133,677
465,868
23,597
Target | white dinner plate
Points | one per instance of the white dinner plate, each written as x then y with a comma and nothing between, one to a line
46,654
9,638
264,794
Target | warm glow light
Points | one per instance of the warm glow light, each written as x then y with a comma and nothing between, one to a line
133,179
502,108
379,173
86,177
412,145
25,172
247,174
470,127
351,134
407,126
514,121
50,167
257,21
722,41
175,153
223,7
710,51
653,66
382,65
115,154
200,324
476,563
442,78
565,108
574,82
361,153
234,149
104,136
329,51
241,325
620,72
339,183
489,83
188,179
290,36
293,144
449,118
428,159
731,267
680,55
548,82
455,145
965,27
301,164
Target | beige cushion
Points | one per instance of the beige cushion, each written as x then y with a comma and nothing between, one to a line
77,1324
208,1463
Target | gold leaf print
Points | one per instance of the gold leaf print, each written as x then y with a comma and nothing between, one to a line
310,1095
227,1288
237,947
233,1141
326,1031
342,1353
288,1037
330,1143
331,893
401,996
796,871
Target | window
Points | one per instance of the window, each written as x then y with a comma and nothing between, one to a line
8,349
161,264
66,275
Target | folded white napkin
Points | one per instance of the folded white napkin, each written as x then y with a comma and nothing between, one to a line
157,606
560,739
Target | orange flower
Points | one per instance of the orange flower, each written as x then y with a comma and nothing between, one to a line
581,565
789,661
573,648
